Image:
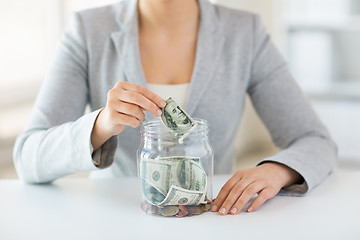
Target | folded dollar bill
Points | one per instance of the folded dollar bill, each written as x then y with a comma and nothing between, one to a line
177,120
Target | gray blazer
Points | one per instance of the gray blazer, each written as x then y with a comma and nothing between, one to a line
234,57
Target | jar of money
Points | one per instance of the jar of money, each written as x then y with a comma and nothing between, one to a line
175,169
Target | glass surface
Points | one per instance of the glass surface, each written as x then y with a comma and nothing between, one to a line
175,178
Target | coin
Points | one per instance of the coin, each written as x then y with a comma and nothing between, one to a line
169,211
144,206
153,210
196,210
183,208
182,214
205,207
190,211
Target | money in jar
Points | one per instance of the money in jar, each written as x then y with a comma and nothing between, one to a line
175,165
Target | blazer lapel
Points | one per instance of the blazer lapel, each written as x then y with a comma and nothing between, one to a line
209,45
126,42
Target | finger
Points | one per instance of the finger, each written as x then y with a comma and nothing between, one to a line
234,195
123,119
263,196
130,109
224,192
145,92
140,100
245,197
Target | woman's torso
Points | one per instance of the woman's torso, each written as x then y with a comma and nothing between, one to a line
178,92
219,76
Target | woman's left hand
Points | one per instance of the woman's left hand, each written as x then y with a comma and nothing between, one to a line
266,180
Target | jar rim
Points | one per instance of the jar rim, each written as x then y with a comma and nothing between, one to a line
151,127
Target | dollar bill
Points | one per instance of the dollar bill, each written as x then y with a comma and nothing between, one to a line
167,171
181,173
177,120
181,196
151,194
166,179
157,174
198,178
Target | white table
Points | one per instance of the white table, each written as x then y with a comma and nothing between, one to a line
109,209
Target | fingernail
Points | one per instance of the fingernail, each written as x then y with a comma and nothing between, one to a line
214,208
222,211
159,112
250,209
162,103
233,211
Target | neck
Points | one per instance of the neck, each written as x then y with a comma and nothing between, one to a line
169,15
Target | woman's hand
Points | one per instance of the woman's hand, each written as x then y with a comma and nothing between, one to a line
266,180
125,106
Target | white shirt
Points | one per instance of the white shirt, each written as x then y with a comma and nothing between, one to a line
178,92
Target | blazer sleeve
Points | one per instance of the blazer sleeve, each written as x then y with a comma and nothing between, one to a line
294,127
57,139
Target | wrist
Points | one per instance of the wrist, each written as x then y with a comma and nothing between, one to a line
287,175
99,135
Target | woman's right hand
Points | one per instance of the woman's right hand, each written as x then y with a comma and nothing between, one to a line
125,106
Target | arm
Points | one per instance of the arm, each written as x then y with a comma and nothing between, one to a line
308,154
59,140
56,140
291,121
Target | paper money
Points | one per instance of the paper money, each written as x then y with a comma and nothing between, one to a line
177,180
181,170
177,120
167,171
181,196
151,194
157,174
197,177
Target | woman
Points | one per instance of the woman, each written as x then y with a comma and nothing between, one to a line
110,56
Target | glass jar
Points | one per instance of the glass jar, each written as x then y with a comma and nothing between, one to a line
175,176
